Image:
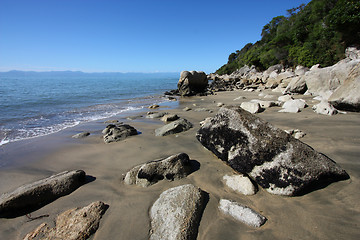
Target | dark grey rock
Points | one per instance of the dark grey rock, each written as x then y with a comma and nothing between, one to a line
32,196
177,212
192,83
278,162
171,168
115,133
81,135
72,224
177,126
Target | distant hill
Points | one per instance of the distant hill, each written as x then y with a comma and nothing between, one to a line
310,34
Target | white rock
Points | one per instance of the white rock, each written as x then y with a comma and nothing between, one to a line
299,103
240,183
239,98
220,104
285,98
290,110
241,213
251,107
265,104
324,108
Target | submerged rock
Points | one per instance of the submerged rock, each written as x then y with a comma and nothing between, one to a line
30,197
176,213
276,161
177,126
115,133
242,213
73,224
171,168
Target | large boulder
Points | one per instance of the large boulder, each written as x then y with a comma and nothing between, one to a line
32,196
296,85
347,96
177,212
171,168
177,126
275,160
73,224
115,133
192,83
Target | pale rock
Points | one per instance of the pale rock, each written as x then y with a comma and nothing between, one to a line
241,213
252,107
177,126
81,135
240,183
285,98
324,108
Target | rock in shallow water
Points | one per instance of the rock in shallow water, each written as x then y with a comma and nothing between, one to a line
176,213
275,160
242,213
32,196
73,224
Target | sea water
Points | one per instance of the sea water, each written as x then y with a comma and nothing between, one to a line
34,104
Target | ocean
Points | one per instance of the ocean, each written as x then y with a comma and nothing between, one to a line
34,104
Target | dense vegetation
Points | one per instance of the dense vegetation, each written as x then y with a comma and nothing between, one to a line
316,33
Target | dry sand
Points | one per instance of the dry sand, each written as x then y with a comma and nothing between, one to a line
329,213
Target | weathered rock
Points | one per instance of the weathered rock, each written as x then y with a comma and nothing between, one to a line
186,109
177,126
81,135
115,133
242,213
324,108
191,83
278,162
240,183
176,213
156,114
30,197
296,133
252,107
154,106
285,98
300,70
171,168
299,103
113,121
296,85
266,104
290,109
73,224
347,96
169,117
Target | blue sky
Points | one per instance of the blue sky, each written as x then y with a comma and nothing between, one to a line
129,36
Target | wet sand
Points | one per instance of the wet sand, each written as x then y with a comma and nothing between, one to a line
329,213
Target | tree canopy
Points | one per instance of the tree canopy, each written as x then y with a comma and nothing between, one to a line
316,33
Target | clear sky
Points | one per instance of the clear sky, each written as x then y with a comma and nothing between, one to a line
129,36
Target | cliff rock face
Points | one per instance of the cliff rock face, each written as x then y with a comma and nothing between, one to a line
192,83
275,160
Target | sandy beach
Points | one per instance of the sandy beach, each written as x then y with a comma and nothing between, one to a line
329,213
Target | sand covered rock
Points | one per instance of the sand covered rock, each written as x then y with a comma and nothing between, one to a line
176,213
115,133
192,83
347,96
32,196
252,107
81,135
240,183
276,161
177,126
171,168
241,213
73,224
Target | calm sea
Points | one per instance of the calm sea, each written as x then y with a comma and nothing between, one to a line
37,104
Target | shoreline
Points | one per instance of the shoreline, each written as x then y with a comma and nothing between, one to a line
332,212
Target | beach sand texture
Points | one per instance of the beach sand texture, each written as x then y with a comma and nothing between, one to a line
332,212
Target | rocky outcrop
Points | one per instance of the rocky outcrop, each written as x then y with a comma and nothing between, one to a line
177,212
115,133
241,213
177,126
276,161
240,183
347,96
30,197
192,83
174,167
73,224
